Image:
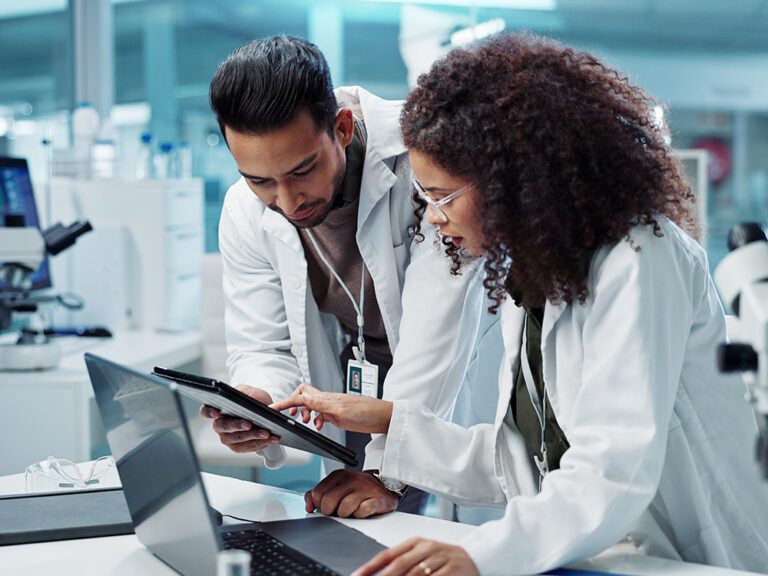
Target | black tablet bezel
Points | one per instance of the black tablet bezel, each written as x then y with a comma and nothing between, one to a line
281,421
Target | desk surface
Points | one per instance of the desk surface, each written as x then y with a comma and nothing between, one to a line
124,555
138,349
61,399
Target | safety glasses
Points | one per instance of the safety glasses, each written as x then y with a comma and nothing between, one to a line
437,205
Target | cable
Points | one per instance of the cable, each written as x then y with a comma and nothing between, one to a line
238,518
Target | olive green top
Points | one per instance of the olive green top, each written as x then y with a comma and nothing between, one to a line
522,409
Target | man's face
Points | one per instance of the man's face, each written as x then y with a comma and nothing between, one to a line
296,170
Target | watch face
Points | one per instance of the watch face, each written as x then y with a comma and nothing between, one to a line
393,485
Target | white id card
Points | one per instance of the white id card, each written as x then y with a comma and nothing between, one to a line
362,379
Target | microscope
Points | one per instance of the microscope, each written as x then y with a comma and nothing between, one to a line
742,278
22,249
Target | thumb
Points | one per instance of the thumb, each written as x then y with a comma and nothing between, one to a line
256,393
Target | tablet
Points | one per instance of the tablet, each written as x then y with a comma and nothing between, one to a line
232,402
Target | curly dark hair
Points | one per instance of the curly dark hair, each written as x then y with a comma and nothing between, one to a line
568,153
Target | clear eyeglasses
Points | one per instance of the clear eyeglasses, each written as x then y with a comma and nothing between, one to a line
54,474
436,205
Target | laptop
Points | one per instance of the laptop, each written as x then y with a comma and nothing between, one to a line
150,441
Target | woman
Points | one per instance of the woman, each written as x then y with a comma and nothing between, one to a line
612,421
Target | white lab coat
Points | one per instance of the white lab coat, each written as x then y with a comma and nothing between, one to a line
276,336
661,445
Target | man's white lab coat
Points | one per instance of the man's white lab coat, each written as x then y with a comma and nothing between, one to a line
661,444
276,336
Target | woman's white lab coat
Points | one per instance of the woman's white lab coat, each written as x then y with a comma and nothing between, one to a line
276,336
661,445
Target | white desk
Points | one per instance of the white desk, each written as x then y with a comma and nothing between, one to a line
51,412
124,555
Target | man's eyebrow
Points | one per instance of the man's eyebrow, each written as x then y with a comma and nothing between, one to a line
298,166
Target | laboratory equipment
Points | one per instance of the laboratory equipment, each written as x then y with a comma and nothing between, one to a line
233,563
140,269
742,278
85,128
104,153
145,165
184,153
54,474
162,161
23,265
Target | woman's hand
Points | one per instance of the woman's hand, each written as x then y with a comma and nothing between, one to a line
346,411
420,557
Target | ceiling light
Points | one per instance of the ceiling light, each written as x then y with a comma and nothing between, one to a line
467,35
548,5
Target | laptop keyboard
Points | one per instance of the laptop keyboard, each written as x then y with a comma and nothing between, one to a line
269,556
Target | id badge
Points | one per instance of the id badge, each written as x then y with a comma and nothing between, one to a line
362,378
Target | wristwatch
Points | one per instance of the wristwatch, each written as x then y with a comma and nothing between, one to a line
394,486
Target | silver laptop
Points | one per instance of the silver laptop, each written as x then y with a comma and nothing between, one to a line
149,438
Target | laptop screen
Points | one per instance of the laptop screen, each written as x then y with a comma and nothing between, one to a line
157,465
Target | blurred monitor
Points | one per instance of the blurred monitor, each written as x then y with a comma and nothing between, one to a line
17,197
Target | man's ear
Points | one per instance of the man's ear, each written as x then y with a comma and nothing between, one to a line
344,127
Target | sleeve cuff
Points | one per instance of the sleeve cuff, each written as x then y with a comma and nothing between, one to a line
482,549
374,452
392,440
274,456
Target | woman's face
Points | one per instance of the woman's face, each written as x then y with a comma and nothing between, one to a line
461,224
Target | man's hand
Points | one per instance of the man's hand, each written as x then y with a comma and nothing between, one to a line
237,434
346,493
422,557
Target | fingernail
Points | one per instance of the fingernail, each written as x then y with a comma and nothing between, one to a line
244,425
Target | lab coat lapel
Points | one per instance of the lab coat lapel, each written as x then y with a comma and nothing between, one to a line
512,318
279,228
384,144
552,313
293,272
377,180
374,226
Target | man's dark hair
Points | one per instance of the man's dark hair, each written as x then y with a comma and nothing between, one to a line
264,84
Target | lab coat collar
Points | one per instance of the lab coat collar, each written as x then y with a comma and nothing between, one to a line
552,313
382,123
277,226
381,117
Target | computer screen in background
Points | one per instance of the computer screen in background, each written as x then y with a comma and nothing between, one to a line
17,197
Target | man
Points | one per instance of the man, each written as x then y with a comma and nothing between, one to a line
325,201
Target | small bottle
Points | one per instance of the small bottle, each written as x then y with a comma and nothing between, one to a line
104,151
233,563
162,160
145,165
174,162
185,160
85,127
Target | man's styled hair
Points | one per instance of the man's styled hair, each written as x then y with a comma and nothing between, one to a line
264,84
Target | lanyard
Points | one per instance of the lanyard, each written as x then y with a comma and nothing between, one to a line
539,405
358,308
